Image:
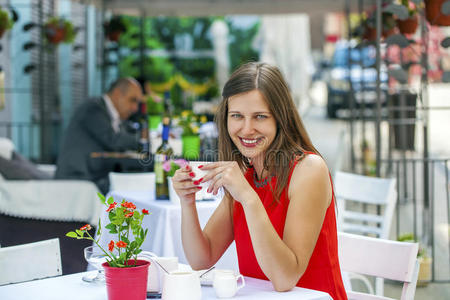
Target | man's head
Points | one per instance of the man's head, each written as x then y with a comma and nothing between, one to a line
125,94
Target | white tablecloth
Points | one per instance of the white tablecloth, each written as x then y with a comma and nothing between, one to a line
71,287
164,226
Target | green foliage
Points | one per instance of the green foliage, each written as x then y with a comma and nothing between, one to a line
54,24
409,237
240,46
154,107
126,222
163,33
5,21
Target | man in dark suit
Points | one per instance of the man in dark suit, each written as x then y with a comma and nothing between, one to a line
96,126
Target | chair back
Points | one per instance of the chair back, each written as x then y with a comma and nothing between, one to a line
351,189
381,258
357,199
30,261
132,181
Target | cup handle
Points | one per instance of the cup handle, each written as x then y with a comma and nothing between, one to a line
148,254
242,281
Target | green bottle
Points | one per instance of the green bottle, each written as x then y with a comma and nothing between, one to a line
163,153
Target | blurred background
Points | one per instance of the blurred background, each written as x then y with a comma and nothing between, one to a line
370,79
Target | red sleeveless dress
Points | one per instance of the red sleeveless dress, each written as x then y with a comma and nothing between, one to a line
323,271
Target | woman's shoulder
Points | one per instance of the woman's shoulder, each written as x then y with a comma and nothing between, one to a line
310,173
310,164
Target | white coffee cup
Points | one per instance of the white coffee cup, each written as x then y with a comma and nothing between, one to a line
181,285
200,173
225,283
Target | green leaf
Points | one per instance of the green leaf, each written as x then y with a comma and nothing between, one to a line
110,200
133,245
99,232
122,257
126,240
101,197
72,234
111,215
80,232
112,228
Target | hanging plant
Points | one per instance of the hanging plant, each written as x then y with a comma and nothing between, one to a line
6,22
408,24
59,30
114,28
369,25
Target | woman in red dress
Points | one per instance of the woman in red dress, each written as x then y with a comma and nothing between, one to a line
278,204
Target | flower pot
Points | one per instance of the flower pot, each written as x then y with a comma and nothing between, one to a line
387,32
370,33
408,26
433,13
191,146
127,283
424,271
153,121
114,36
54,34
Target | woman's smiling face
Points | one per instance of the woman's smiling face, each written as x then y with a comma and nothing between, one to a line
251,125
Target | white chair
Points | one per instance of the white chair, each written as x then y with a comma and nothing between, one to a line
381,258
353,192
132,181
30,261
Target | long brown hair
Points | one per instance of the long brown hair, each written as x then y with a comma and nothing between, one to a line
291,140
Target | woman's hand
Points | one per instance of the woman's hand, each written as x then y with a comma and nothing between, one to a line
184,186
228,175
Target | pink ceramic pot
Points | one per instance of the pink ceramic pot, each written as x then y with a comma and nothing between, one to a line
127,283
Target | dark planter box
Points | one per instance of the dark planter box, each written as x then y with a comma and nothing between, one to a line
404,134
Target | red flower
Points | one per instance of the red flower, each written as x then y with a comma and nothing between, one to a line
128,205
111,245
144,211
129,215
111,206
121,244
86,227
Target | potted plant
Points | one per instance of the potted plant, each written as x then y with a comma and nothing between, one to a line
122,261
6,22
425,261
114,28
387,22
189,137
408,25
59,30
434,13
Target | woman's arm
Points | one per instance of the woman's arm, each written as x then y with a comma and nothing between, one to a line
202,248
283,261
